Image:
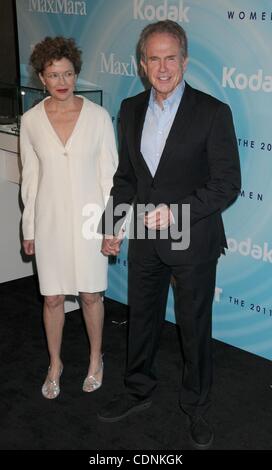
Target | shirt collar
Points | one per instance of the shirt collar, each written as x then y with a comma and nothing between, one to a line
172,100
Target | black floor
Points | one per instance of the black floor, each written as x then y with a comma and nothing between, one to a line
242,407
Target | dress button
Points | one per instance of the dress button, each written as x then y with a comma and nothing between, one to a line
65,154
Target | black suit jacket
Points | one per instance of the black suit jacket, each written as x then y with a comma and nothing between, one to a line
199,166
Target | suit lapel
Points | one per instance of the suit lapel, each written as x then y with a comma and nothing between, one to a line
140,112
181,123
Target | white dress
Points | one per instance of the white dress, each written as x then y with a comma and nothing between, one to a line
64,190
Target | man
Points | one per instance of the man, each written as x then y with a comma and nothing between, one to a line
178,147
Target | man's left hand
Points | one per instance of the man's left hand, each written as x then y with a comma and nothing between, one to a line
159,219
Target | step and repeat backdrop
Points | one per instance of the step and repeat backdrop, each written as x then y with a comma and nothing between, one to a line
230,58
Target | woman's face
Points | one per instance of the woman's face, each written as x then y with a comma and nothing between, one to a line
59,78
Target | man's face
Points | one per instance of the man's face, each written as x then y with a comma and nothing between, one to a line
163,64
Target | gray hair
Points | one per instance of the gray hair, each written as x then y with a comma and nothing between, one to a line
165,26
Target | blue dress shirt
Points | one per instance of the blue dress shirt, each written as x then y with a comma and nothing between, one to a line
158,122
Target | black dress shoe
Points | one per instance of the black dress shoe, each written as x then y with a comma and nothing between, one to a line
201,434
122,406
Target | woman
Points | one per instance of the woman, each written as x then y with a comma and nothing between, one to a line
69,158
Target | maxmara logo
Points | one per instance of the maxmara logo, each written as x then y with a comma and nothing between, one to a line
248,248
256,82
112,65
142,10
65,7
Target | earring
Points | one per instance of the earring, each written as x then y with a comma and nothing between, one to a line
44,89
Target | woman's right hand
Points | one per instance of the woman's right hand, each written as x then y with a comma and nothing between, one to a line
29,247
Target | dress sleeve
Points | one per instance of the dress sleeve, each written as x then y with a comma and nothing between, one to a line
30,174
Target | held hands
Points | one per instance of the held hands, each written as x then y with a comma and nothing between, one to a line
111,244
29,247
159,219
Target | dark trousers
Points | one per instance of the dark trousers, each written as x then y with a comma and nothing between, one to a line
149,280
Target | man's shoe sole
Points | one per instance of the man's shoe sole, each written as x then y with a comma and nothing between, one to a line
133,409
